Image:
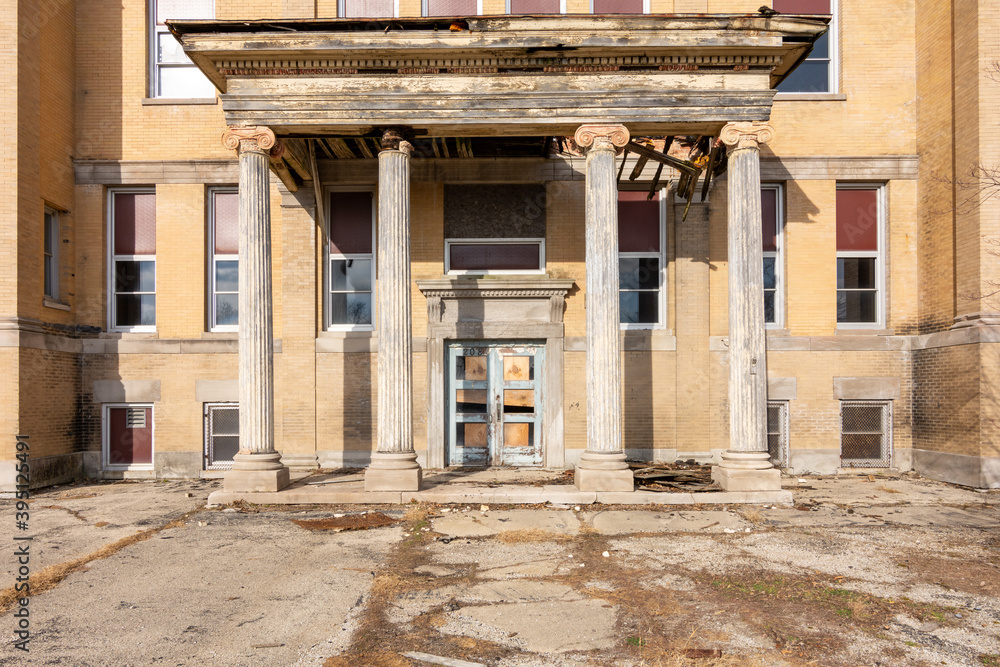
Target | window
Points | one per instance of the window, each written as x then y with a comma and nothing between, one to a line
494,229
777,433
490,256
859,258
172,72
50,253
356,9
772,220
641,265
222,435
619,6
452,7
818,72
128,437
536,6
865,434
133,260
224,268
352,266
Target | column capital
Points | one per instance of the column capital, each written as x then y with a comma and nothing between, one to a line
602,137
746,134
393,140
258,139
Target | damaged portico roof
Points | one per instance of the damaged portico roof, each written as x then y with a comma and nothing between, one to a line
499,75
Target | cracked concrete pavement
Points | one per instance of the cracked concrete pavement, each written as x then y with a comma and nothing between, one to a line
860,570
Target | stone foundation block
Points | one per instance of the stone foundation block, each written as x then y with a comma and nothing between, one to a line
731,479
255,481
383,479
588,479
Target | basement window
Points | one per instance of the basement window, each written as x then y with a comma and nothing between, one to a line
865,434
222,435
777,433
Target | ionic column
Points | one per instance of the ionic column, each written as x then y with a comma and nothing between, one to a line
602,467
257,467
746,465
394,465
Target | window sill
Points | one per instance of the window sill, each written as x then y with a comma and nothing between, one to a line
58,305
347,333
160,101
129,335
810,97
220,335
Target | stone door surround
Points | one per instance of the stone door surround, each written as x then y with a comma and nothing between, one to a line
512,307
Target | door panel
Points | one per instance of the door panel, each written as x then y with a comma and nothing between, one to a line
494,404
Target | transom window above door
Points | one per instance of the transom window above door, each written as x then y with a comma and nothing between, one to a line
494,229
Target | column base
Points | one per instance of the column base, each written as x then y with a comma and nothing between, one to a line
746,471
256,473
300,461
598,471
392,471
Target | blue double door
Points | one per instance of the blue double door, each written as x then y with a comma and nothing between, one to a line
495,403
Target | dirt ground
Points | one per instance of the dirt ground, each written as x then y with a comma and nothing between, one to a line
880,570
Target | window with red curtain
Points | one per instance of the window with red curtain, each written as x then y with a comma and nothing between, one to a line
617,6
640,259
858,255
133,233
771,228
352,265
534,6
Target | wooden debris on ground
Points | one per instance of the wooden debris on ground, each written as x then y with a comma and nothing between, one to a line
673,477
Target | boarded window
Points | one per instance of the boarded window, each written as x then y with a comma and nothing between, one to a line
494,211
130,436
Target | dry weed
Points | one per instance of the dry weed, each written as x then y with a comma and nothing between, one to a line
886,489
387,584
417,514
523,535
753,515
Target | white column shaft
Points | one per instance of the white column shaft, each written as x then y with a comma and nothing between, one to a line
747,343
255,325
604,401
395,383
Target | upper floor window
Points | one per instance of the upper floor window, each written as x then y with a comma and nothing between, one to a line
224,269
536,6
641,260
132,284
351,248
818,73
860,256
50,253
494,229
772,220
172,74
452,7
619,6
369,9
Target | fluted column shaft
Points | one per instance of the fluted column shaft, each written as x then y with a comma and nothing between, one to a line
747,342
257,466
395,381
394,463
604,454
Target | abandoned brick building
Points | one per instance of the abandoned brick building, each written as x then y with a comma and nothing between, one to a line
248,236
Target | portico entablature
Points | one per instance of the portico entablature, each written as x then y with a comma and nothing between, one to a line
499,76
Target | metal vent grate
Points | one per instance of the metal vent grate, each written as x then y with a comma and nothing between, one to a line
865,434
222,435
777,433
135,418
